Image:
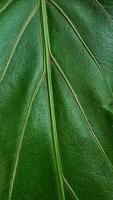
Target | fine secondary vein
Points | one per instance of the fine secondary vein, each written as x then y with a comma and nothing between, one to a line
51,101
82,111
28,111
2,189
104,10
82,41
5,6
17,39
70,188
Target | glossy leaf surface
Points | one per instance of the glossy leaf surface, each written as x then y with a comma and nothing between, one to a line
56,100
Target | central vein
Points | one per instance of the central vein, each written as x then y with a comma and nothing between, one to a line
51,101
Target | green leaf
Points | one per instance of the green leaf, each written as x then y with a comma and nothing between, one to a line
56,100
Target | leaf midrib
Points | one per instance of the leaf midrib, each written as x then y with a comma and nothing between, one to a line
51,101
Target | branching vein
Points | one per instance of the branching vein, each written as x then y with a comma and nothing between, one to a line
5,6
105,11
17,39
70,189
82,41
28,111
82,111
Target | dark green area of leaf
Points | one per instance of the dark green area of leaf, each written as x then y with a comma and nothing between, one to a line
56,100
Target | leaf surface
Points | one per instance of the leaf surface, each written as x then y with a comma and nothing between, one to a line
56,100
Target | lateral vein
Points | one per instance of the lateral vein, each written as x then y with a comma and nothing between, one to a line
70,189
82,111
5,6
17,39
28,111
104,10
82,41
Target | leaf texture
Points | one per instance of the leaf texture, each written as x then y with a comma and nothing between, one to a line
56,100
